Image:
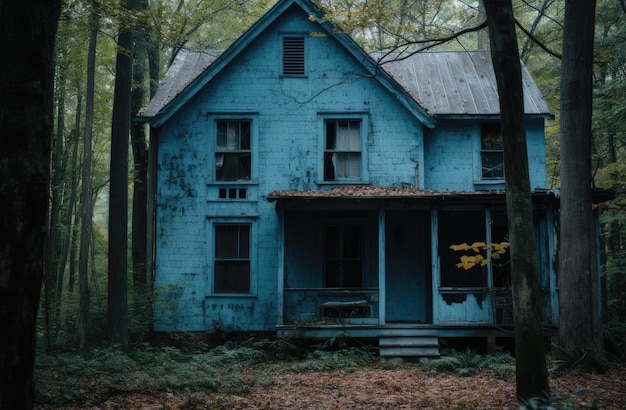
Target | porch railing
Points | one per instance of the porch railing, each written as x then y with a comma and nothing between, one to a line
331,305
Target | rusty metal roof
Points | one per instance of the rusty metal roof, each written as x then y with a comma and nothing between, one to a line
442,82
458,83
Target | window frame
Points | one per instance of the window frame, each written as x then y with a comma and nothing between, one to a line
215,150
489,151
361,118
214,259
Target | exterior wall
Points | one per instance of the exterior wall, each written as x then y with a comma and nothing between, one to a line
287,136
287,141
452,156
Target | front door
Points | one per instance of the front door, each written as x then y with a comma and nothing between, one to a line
407,256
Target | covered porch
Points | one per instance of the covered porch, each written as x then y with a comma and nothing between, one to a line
377,263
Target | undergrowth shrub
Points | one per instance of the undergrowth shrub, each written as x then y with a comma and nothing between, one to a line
228,368
467,362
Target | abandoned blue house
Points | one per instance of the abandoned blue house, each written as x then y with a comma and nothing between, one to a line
304,189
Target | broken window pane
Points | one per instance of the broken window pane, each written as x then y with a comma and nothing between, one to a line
233,159
456,228
342,156
492,151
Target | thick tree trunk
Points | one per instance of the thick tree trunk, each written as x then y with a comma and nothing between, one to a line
140,165
531,371
580,327
27,32
118,193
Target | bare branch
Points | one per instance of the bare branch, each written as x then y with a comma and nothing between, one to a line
400,52
536,41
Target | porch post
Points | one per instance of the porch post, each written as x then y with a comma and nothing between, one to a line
434,240
554,293
281,267
382,286
488,253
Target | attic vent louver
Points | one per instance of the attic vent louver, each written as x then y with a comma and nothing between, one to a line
293,55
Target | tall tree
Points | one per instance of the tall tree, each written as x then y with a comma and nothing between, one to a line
580,327
145,59
27,32
531,371
86,203
118,188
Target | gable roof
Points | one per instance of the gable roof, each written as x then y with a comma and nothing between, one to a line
193,70
450,83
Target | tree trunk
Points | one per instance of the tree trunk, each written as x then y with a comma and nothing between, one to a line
72,220
86,204
140,161
580,327
118,193
154,64
53,232
531,371
27,32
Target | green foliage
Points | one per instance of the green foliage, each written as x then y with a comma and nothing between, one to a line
463,363
194,367
466,363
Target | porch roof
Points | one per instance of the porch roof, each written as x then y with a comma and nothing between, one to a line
374,195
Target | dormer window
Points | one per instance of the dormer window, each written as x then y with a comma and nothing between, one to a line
491,151
293,56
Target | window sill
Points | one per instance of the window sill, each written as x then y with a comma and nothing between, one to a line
342,182
489,181
233,183
489,184
232,295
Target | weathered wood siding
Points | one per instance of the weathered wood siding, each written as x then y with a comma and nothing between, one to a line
287,142
452,156
286,116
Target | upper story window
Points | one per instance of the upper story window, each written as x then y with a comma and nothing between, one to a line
293,55
232,258
491,151
342,149
233,154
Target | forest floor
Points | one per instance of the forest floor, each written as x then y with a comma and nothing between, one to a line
171,379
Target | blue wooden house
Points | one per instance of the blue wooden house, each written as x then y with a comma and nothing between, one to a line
305,189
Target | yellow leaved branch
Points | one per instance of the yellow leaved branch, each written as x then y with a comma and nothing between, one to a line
469,261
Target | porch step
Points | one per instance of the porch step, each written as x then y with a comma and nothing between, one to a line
407,347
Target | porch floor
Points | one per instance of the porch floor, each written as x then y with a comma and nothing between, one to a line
322,331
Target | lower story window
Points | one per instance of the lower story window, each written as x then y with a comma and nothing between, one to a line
343,256
232,258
